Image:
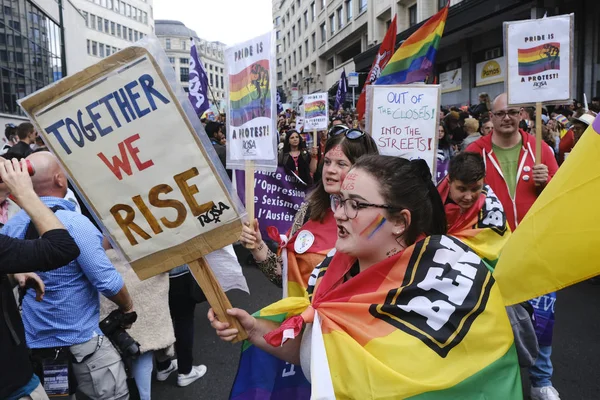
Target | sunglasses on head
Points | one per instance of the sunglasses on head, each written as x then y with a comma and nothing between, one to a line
350,133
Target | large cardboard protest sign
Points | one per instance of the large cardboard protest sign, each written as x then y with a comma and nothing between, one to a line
252,94
131,148
539,59
316,111
404,120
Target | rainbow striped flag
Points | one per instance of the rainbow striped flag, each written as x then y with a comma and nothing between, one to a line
315,109
483,227
539,59
250,94
414,59
426,324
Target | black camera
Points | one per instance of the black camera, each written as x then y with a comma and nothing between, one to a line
112,327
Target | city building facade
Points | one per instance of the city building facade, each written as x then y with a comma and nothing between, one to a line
175,39
35,50
112,25
345,35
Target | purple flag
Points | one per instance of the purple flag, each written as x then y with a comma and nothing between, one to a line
340,97
278,197
279,105
198,94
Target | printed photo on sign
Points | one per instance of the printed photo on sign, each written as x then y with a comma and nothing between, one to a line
316,111
109,135
251,133
539,59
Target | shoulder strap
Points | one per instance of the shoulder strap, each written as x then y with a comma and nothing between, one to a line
32,233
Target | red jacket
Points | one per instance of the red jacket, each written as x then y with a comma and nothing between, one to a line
525,191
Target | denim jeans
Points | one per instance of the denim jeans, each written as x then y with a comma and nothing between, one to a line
540,374
142,372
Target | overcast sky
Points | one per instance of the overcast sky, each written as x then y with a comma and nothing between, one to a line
228,21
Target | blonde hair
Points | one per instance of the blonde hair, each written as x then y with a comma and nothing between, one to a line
471,125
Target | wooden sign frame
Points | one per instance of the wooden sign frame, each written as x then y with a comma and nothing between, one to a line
191,251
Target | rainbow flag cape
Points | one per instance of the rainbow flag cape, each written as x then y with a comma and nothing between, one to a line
483,227
538,59
426,324
414,59
250,94
556,244
262,376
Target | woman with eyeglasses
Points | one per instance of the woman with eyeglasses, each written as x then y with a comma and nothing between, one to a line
313,232
399,309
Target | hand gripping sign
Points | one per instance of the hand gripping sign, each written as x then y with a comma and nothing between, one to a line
132,145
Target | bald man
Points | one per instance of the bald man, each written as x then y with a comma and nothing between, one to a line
67,320
509,155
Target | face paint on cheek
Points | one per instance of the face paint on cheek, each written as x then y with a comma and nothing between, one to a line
373,227
348,181
336,152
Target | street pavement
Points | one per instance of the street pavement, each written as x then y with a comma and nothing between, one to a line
576,344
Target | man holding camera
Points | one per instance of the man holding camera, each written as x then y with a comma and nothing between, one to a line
63,331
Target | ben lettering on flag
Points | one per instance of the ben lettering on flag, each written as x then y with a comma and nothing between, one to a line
198,82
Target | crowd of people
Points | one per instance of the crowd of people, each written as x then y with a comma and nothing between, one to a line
363,217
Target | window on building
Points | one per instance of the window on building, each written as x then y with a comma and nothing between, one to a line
89,47
285,66
294,58
306,19
145,18
172,60
277,21
293,9
279,62
294,33
168,43
332,24
118,30
184,74
99,24
362,6
306,47
210,67
442,4
106,26
101,50
288,37
314,41
117,6
94,48
348,10
135,35
129,10
323,33
184,60
330,64
85,16
278,35
323,5
222,82
278,49
340,17
130,34
300,52
221,70
299,27
112,28
108,51
313,11
211,80
279,76
412,15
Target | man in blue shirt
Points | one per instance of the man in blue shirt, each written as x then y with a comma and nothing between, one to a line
69,315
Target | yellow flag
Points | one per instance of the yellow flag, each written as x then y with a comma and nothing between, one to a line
558,242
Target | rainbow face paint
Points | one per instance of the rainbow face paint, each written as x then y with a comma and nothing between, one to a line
373,227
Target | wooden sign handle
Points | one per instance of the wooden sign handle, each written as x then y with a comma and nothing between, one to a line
214,294
249,184
315,137
538,133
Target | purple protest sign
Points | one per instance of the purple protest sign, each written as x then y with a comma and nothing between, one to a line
277,198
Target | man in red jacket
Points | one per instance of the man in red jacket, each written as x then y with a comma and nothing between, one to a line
511,172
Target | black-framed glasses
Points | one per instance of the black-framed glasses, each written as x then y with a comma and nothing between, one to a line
352,206
503,113
351,133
